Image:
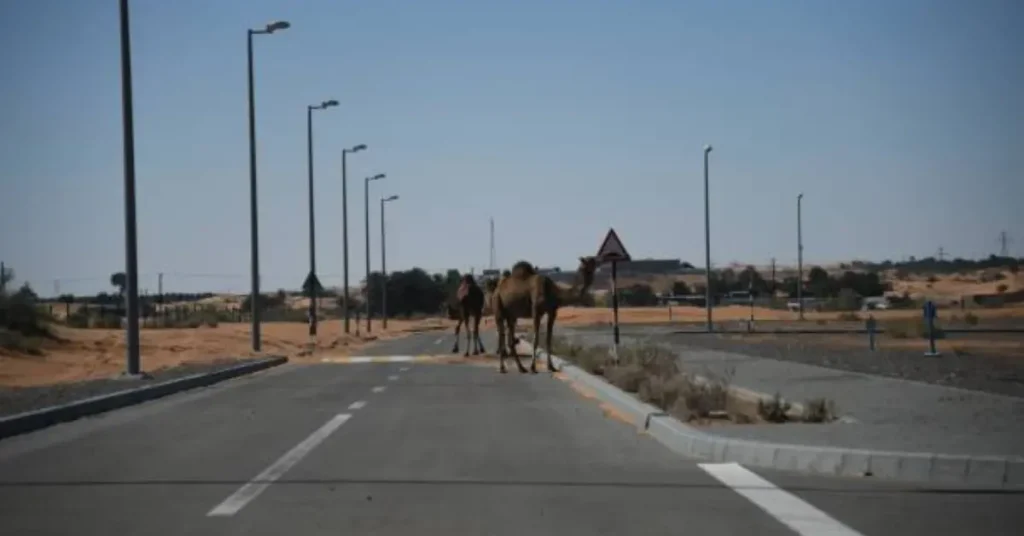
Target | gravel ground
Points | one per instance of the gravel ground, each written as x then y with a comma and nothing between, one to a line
991,374
15,400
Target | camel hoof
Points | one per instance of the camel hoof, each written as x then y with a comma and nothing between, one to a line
553,368
503,370
533,370
455,350
522,370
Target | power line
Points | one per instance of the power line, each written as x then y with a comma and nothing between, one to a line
494,257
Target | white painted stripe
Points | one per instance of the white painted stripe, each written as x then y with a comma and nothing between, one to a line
439,340
403,369
378,389
360,359
254,487
400,359
793,512
359,404
392,378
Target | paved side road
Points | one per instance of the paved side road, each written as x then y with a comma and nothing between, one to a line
416,448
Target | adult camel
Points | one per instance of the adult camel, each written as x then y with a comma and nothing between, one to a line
527,294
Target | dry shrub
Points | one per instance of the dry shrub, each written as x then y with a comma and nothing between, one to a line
773,410
656,361
819,410
627,377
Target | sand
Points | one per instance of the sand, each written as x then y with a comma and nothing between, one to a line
85,354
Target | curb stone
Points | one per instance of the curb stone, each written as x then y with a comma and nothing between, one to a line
911,467
41,418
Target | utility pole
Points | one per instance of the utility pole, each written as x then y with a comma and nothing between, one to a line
56,287
160,284
941,254
773,277
3,277
130,237
1004,244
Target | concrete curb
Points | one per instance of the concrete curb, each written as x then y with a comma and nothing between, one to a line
911,467
41,418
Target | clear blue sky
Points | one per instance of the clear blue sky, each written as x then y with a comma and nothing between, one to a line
899,120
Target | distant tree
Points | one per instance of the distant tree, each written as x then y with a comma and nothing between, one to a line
26,293
1002,288
679,288
638,295
750,279
119,280
819,283
6,277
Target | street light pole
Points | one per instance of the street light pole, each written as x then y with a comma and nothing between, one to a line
253,208
799,257
344,227
366,210
707,241
312,221
131,238
384,265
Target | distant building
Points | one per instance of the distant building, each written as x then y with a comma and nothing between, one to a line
646,267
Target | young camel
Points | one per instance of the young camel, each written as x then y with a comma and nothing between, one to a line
527,294
469,305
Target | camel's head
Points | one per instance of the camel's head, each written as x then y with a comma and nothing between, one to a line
492,285
585,273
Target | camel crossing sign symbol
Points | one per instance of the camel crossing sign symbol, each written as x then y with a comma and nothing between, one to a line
612,249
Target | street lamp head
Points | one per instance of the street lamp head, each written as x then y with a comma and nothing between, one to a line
329,103
357,148
800,196
278,25
390,198
378,177
707,148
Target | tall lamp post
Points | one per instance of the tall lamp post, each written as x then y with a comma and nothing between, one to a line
312,221
799,258
707,241
366,209
344,227
132,367
253,210
384,265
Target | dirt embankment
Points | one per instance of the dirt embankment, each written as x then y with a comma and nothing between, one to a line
84,354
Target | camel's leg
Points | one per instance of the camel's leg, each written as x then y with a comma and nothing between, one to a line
479,349
469,333
537,314
458,325
551,327
512,344
500,323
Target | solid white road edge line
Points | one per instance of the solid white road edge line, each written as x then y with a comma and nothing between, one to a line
378,389
254,487
791,511
359,404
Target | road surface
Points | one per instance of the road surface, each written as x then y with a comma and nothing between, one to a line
421,448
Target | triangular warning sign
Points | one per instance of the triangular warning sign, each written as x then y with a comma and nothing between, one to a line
311,282
612,249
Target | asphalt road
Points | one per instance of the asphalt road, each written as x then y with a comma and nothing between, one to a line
420,448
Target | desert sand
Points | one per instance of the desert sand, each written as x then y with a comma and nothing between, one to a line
83,354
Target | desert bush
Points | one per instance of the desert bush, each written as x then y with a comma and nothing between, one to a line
774,410
626,377
971,319
19,314
819,410
13,340
848,317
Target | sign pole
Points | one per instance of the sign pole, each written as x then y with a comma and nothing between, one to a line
613,251
871,325
615,311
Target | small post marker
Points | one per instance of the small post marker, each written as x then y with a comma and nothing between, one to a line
929,317
871,324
